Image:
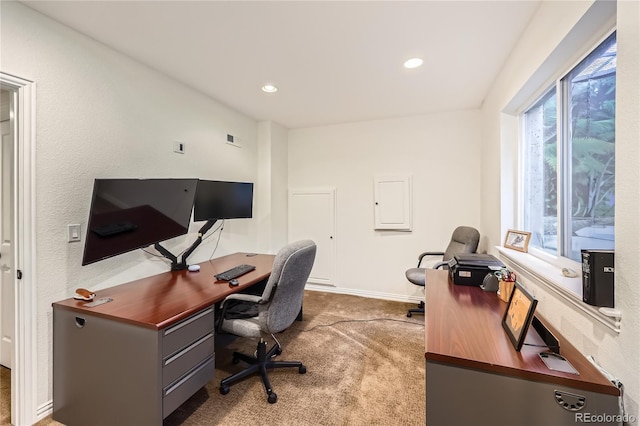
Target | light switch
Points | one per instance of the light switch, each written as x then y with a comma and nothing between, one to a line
73,233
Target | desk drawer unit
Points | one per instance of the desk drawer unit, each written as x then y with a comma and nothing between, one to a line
179,364
183,333
181,390
188,358
464,396
106,372
110,371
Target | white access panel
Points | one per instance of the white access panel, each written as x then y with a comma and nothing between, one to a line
312,216
393,202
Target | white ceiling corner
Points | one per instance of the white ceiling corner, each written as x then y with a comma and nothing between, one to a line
333,61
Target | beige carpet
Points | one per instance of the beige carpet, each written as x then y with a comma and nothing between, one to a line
365,366
5,396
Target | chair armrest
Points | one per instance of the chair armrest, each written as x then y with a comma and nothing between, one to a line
251,298
440,265
244,297
428,253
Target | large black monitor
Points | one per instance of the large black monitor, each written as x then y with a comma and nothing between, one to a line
127,214
223,200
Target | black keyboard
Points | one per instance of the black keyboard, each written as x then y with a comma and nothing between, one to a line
234,272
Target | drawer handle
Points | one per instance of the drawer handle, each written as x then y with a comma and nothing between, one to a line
187,349
187,377
188,321
80,322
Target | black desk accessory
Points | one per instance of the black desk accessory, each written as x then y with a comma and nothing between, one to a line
549,339
490,282
518,315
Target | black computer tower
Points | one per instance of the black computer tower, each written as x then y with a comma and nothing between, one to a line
597,277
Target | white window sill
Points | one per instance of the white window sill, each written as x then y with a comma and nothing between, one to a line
567,288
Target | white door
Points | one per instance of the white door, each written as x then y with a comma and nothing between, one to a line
312,216
7,272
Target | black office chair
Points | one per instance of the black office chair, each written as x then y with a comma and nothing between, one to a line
464,239
276,309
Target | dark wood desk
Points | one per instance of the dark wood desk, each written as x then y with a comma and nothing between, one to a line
475,376
136,359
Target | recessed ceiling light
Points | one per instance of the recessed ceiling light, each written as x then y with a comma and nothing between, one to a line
269,88
413,63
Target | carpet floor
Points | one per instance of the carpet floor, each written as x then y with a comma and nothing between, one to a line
365,366
5,396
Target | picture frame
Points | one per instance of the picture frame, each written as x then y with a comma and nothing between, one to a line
518,315
517,240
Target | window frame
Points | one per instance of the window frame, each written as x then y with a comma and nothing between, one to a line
563,154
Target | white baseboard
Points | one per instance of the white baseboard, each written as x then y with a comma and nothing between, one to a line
44,410
364,293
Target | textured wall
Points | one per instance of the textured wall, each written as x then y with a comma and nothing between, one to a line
556,37
627,359
273,176
440,151
100,114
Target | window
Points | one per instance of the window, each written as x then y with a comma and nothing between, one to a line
568,159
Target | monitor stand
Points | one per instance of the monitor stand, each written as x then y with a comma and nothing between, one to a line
181,264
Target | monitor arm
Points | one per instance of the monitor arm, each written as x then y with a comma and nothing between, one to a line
181,264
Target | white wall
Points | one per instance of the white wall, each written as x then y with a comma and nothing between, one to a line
273,175
557,34
100,114
440,151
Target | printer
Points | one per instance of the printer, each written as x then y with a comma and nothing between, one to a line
471,268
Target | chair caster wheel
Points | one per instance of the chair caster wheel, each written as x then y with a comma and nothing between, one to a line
224,390
408,314
278,351
272,398
302,369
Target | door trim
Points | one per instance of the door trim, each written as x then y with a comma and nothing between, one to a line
23,375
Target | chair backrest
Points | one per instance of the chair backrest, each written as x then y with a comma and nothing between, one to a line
285,288
464,239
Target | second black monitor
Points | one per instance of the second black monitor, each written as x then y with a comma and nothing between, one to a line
223,200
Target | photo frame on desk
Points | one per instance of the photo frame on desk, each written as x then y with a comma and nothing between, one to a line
517,240
518,315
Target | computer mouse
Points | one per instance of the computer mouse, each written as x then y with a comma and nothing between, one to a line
194,268
234,282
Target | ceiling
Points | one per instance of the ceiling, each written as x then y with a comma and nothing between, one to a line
333,61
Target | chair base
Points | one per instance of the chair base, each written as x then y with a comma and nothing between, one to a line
259,365
418,310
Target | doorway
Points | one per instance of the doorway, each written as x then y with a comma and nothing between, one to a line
17,250
7,225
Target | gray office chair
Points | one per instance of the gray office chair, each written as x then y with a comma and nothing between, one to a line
277,308
464,239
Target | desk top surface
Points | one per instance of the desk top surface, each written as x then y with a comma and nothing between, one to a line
161,300
464,328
